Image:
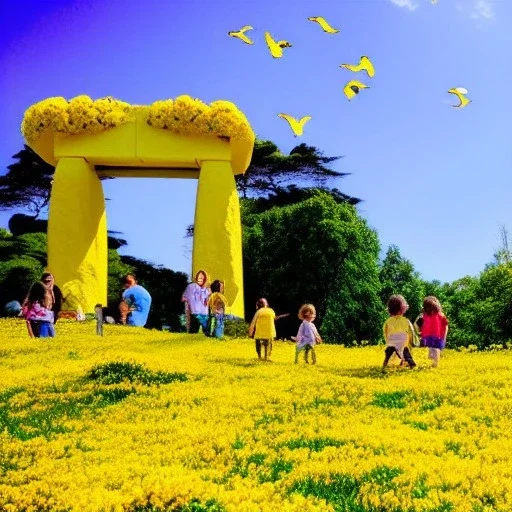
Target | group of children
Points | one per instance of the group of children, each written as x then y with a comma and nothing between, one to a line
262,329
206,309
430,330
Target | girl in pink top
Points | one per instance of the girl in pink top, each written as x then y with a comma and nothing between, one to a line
434,329
37,311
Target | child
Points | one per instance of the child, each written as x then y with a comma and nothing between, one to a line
434,329
37,311
263,329
398,332
308,336
217,304
124,309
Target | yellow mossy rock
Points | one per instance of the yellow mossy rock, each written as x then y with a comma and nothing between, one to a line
181,138
77,235
218,233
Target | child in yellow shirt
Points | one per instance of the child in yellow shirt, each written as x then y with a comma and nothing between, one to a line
217,304
398,331
263,328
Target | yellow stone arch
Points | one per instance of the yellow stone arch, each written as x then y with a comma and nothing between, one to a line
181,138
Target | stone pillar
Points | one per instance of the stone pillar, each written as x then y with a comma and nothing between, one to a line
218,231
77,235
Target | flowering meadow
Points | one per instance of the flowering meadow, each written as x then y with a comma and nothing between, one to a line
141,420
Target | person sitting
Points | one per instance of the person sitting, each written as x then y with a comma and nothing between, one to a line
138,301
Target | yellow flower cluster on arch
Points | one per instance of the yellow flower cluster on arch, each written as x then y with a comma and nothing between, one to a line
190,116
184,115
77,116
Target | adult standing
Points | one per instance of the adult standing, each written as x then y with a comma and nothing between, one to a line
195,298
56,295
138,300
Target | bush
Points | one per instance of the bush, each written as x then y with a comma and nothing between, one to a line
115,372
236,328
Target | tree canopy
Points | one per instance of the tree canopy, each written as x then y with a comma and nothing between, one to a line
271,171
27,183
397,276
316,251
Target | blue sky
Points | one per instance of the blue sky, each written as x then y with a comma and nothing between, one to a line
435,180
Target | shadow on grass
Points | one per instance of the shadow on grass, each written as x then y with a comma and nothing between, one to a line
236,361
374,372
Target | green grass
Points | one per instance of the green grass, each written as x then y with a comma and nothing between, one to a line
46,417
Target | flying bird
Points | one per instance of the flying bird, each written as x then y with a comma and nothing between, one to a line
297,126
325,26
365,64
276,47
241,34
460,93
353,87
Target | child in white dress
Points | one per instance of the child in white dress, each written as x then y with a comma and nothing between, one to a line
308,336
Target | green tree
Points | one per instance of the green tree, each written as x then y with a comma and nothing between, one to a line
494,299
117,270
463,307
316,251
503,254
397,276
271,171
27,183
292,194
17,275
22,261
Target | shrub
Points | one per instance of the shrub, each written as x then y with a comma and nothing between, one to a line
115,372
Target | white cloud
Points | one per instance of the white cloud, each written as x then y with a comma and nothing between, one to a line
409,4
483,9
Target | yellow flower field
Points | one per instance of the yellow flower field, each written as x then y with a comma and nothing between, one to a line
201,425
